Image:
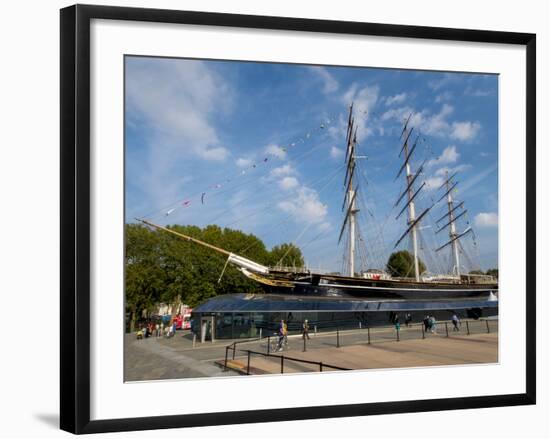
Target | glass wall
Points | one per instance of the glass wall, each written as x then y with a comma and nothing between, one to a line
233,325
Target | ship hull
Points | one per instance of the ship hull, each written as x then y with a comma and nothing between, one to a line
383,289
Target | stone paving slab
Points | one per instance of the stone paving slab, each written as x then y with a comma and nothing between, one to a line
177,357
435,351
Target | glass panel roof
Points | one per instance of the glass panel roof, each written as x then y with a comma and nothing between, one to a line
288,303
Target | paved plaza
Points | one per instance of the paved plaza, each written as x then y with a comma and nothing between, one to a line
179,357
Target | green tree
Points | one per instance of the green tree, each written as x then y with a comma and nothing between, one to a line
476,272
144,278
286,255
161,267
401,264
493,272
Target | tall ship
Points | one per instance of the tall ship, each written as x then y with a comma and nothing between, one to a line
376,284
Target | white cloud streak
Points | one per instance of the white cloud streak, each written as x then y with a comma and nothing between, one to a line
396,99
288,183
465,131
276,151
305,207
486,219
449,155
330,85
336,153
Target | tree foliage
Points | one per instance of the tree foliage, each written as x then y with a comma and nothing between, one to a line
161,267
476,272
286,255
401,264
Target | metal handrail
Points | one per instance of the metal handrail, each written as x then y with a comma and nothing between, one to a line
282,357
338,332
233,347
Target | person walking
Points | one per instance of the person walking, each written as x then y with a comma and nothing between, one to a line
432,325
281,335
426,322
456,323
305,330
408,319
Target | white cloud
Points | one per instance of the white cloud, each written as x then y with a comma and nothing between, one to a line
441,174
305,207
435,124
474,180
443,97
214,154
396,99
449,155
432,124
434,182
364,99
324,227
276,151
336,153
477,92
486,219
175,99
465,130
243,163
330,85
446,79
282,170
450,170
288,183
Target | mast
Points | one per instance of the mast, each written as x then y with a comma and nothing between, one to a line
411,194
351,192
452,217
452,225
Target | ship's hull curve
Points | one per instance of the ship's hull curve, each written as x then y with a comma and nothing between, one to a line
386,292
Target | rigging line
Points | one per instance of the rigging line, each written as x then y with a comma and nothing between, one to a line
466,256
177,204
433,236
251,175
376,249
476,248
272,188
288,144
364,252
270,202
289,216
256,194
310,223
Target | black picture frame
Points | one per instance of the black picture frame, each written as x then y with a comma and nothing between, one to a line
75,217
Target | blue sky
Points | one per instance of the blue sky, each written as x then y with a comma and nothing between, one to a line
260,147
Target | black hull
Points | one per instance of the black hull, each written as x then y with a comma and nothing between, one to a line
386,290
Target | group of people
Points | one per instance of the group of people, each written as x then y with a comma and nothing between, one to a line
430,324
282,333
158,329
397,323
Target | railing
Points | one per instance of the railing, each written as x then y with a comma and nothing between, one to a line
320,364
233,347
361,335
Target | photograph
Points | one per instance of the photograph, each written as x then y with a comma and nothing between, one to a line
290,218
